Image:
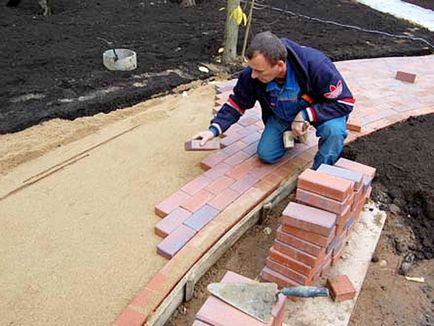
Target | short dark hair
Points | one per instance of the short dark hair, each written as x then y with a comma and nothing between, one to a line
269,45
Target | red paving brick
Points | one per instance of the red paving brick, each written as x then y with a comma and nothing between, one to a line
295,253
312,199
197,201
341,288
222,200
309,218
309,236
267,274
286,271
168,224
220,184
325,185
244,183
298,243
167,206
289,262
196,185
405,76
175,241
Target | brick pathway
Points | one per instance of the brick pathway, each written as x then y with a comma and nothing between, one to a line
235,181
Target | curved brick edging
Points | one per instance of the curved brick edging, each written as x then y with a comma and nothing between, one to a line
382,101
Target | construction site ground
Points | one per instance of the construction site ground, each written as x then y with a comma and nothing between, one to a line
77,197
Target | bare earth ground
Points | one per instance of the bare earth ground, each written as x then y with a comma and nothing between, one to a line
77,245
387,298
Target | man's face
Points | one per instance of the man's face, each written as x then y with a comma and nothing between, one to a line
264,71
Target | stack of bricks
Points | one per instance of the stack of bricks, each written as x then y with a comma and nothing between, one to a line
216,312
314,230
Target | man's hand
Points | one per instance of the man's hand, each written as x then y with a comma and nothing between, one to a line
204,136
299,127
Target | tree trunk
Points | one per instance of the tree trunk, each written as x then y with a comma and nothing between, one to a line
231,33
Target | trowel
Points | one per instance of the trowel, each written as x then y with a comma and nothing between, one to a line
257,299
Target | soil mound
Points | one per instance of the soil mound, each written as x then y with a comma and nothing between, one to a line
403,154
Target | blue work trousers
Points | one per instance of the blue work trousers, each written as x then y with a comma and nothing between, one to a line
331,133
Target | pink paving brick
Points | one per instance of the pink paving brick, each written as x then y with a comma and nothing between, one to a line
220,184
237,158
167,206
252,148
201,217
240,171
312,199
168,224
355,166
222,200
216,312
242,185
296,254
298,243
314,238
194,145
217,171
234,148
325,185
175,241
213,159
196,185
354,125
309,218
282,281
197,201
336,171
252,138
230,139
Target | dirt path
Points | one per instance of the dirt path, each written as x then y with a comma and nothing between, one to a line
77,245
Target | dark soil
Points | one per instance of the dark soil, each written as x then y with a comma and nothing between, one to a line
427,4
51,67
403,154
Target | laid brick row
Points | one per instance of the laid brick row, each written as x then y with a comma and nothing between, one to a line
315,228
215,312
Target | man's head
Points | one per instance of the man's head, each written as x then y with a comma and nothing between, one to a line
266,56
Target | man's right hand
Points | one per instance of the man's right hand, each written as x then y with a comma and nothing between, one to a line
204,136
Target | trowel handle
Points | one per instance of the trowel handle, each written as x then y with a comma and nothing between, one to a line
305,291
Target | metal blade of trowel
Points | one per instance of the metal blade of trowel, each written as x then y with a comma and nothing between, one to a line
256,299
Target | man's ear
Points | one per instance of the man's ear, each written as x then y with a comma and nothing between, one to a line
281,63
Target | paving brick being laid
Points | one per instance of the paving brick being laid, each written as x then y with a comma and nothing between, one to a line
170,204
216,312
325,185
405,77
341,288
175,241
194,145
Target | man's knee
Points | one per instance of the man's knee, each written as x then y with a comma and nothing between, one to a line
333,130
267,157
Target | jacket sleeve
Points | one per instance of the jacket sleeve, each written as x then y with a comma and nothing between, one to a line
335,98
242,98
